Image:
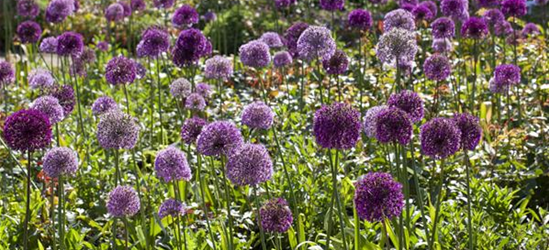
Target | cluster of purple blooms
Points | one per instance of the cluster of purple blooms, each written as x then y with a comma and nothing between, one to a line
58,10
276,216
505,76
337,64
255,54
377,197
249,164
171,207
185,16
171,164
360,19
103,105
117,130
396,47
120,70
316,42
189,47
337,126
437,67
60,161
27,130
258,115
50,106
218,67
154,41
123,201
29,32
191,129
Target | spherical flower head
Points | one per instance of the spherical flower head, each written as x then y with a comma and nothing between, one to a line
218,67
396,45
475,28
272,39
117,130
163,4
29,32
103,105
48,45
70,43
332,5
58,10
507,75
399,18
219,138
282,59
114,12
138,5
409,102
60,161
337,64
442,28
50,106
120,70
204,90
440,138
7,73
336,126
422,12
195,102
514,8
86,57
255,54
432,6
127,8
27,8
370,120
502,29
171,164
442,45
455,9
316,42
291,36
437,67
250,164
284,3
360,19
258,115
191,129
377,197
180,88
171,207
123,201
470,129
184,17
190,45
393,125
102,46
154,41
27,130
276,216
408,2
493,17
65,96
530,29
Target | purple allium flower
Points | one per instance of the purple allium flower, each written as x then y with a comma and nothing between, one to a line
163,4
291,36
250,164
332,5
432,6
48,45
138,5
336,126
407,7
399,18
276,216
422,12
442,45
502,29
7,73
27,8
272,39
470,129
117,130
27,130
191,129
58,10
210,16
127,8
493,17
257,115
70,43
114,12
195,102
409,102
218,67
284,3
218,138
408,2
60,161
316,42
123,201
103,105
337,64
377,197
443,27
396,45
171,164
65,95
103,46
393,125
282,59
184,17
171,207
255,54
29,32
475,28
440,138
50,106
140,70
189,47
437,67
154,41
455,9
530,29
489,3
370,120
204,90
120,70
514,8
360,19
505,75
41,79
180,88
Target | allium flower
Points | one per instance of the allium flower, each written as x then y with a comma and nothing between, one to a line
505,75
409,102
316,42
127,8
58,10
258,115
440,138
442,45
48,45
163,4
50,106
493,17
399,18
488,3
171,207
396,45
291,36
272,39
120,70
422,12
123,201
154,41
171,164
204,90
337,64
218,138
218,67
255,54
114,12
138,5
86,57
475,28
514,8
455,9
443,27
27,130
29,32
360,19
470,129
180,88
502,29
408,2
69,43
282,59
117,130
27,8
393,125
284,3
103,46
377,197
530,29
7,73
189,47
103,105
209,16
191,129
276,216
370,120
65,96
437,67
41,79
250,164
432,6
332,5
195,101
184,17
60,161
140,70
336,126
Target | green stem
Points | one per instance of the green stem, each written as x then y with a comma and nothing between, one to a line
262,234
337,198
469,201
159,84
117,179
228,199
202,183
60,212
420,196
27,211
439,201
